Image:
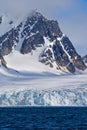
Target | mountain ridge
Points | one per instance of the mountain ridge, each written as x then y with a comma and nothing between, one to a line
37,32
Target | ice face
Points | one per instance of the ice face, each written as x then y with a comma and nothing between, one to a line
60,97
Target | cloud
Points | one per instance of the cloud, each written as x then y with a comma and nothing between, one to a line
42,5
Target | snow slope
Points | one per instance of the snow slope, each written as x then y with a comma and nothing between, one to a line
30,62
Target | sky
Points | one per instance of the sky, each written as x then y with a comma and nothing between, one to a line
70,14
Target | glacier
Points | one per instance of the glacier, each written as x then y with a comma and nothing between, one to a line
42,89
60,97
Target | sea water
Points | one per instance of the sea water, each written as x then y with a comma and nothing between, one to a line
43,118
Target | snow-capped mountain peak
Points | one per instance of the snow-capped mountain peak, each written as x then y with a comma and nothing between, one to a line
42,41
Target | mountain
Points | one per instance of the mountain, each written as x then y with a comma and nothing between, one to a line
85,59
34,40
35,56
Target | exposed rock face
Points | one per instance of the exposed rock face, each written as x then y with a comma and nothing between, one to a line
32,33
36,28
85,59
31,43
3,62
7,41
0,19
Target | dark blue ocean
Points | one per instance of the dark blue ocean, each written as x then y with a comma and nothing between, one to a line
43,118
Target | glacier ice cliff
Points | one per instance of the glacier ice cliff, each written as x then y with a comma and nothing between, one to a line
58,97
